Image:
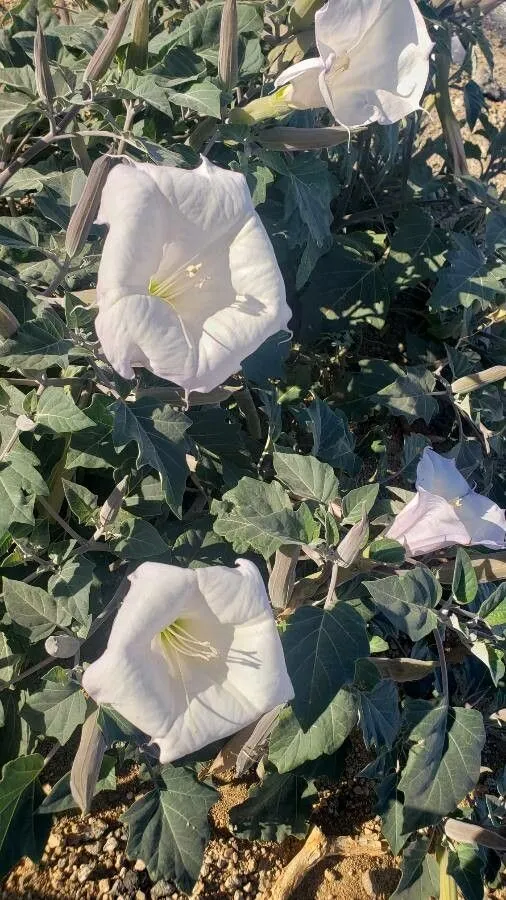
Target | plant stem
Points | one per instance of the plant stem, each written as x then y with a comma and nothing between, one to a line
332,586
444,669
38,147
43,664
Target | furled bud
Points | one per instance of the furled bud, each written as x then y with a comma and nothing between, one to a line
104,54
137,53
86,208
288,138
8,322
270,107
62,645
43,77
87,762
228,66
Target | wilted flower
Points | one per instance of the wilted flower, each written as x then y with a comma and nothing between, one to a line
373,63
188,285
446,511
193,655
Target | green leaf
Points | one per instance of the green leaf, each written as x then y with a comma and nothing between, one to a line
21,834
71,588
290,746
358,501
260,516
15,505
58,708
474,102
278,807
139,539
321,649
465,582
168,827
466,865
391,810
201,28
379,714
468,278
60,799
38,344
408,601
414,445
33,609
409,395
13,104
333,441
493,609
417,250
81,501
18,233
57,411
443,763
419,872
386,550
159,433
306,477
92,447
308,191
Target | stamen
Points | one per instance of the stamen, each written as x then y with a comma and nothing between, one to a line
177,638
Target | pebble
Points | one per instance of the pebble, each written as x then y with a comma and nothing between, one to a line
104,886
251,866
53,841
84,872
161,889
238,895
140,865
110,845
367,884
140,895
93,849
130,881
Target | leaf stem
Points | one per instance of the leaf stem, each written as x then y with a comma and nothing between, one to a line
444,669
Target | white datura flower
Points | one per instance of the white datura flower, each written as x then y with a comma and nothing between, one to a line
446,511
188,284
373,63
193,655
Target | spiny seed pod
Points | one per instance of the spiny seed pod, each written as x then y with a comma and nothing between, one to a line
289,138
228,66
43,77
62,646
104,54
137,53
86,208
8,322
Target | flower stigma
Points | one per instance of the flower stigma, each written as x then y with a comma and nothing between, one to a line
176,637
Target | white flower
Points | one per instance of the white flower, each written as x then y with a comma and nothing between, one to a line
446,511
373,63
193,655
188,284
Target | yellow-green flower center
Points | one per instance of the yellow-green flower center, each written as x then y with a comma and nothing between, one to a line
177,637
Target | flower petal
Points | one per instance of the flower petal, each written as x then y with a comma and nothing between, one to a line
304,79
484,520
428,523
385,72
439,475
341,24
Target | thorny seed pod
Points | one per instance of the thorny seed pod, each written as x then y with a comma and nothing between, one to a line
86,208
43,77
228,66
137,53
104,54
8,322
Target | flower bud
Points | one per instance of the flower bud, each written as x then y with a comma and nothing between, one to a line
8,322
86,208
43,77
288,138
269,107
228,65
104,54
137,53
62,645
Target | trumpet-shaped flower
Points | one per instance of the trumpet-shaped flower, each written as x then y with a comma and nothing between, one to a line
193,655
373,63
446,511
188,284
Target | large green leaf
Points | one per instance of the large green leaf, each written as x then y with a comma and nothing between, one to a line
466,865
409,395
419,872
21,833
33,609
408,601
159,433
416,251
92,447
71,588
58,708
278,807
444,760
379,714
468,278
168,827
290,746
321,649
57,411
333,441
201,28
259,516
306,477
38,344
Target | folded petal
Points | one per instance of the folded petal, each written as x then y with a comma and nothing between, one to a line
174,688
428,523
439,475
484,520
304,80
381,76
341,24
